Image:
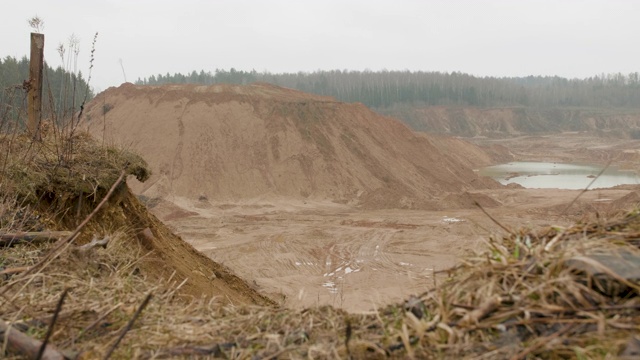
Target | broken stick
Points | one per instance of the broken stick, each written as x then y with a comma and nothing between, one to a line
20,343
473,316
9,239
94,242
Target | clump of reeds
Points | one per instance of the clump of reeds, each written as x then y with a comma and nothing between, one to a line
559,293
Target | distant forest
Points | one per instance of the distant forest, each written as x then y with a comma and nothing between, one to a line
63,89
383,89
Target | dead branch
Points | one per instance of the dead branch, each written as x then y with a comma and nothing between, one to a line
90,326
492,218
216,350
128,326
14,270
43,347
472,317
23,344
10,239
540,342
587,188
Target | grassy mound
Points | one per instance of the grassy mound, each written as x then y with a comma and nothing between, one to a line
560,293
68,167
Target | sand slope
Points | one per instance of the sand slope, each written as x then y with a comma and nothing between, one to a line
228,142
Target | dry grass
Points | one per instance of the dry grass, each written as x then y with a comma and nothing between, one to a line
106,288
31,170
522,298
529,295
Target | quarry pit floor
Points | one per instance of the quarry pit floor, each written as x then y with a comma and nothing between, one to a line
305,253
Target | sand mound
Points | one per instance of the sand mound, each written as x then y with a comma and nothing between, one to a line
628,201
619,205
228,143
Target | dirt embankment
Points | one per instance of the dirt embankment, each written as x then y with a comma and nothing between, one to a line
501,122
41,192
576,147
239,142
170,256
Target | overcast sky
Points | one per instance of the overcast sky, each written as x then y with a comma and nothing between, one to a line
569,38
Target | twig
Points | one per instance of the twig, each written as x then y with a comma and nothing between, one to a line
128,326
95,211
280,352
448,270
53,253
347,337
553,241
587,188
542,341
610,307
466,307
14,270
51,325
473,316
90,326
215,350
9,239
94,242
20,309
492,219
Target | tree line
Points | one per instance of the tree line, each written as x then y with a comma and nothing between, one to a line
63,91
382,89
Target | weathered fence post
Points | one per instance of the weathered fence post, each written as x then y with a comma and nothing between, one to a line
35,85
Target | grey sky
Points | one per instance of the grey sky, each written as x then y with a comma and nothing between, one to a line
570,38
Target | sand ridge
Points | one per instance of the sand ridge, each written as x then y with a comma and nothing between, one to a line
227,142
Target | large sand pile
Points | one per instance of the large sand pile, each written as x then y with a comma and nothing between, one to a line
229,143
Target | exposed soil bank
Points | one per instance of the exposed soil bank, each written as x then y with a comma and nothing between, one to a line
505,122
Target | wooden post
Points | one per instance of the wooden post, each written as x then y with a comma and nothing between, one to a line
35,85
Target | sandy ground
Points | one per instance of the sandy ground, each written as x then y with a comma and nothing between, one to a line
315,238
304,253
571,147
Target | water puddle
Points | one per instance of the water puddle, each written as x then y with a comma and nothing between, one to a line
331,286
542,175
451,220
